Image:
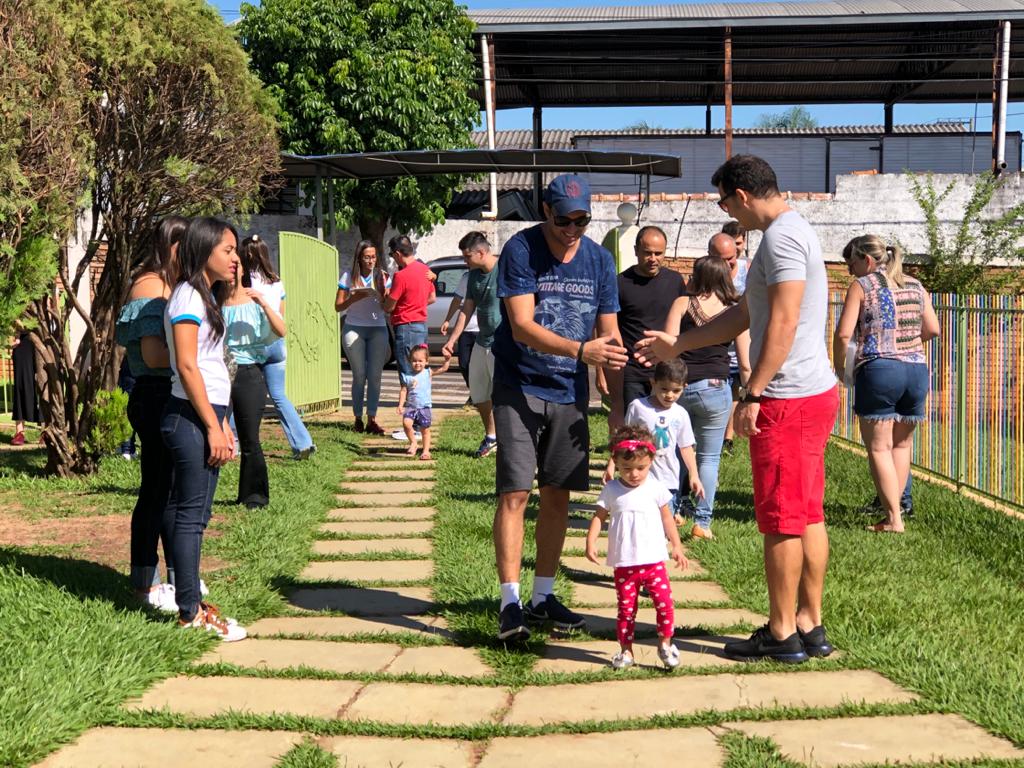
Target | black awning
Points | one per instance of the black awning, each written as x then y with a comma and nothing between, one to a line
381,165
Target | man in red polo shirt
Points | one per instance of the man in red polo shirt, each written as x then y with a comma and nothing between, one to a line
411,292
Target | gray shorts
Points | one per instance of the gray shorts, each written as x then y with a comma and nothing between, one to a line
551,440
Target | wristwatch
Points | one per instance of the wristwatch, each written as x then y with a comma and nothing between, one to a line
746,396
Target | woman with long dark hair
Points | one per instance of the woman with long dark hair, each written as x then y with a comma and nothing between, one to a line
194,425
890,315
255,257
252,326
140,330
707,396
361,293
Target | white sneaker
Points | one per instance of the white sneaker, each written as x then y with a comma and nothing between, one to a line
622,660
161,599
669,655
399,434
203,591
209,618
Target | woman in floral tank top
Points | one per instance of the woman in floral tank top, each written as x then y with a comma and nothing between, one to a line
889,315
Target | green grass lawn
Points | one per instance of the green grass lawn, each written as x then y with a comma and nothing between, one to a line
73,644
938,610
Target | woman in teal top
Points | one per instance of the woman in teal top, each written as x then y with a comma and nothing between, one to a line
251,324
140,330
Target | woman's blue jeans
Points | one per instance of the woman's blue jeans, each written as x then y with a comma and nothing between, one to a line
366,349
708,402
273,371
195,483
407,336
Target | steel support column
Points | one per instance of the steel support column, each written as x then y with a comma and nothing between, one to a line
728,92
538,143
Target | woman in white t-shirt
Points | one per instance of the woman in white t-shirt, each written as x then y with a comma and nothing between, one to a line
361,293
255,257
194,425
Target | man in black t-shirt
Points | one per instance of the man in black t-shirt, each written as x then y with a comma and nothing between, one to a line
646,293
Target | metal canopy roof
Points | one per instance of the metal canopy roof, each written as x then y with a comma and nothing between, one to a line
381,165
873,51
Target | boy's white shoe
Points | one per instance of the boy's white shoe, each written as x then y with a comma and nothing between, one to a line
161,599
209,618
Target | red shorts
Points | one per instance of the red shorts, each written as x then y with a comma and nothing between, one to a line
787,460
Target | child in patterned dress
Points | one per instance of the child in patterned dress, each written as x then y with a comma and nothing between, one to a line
640,520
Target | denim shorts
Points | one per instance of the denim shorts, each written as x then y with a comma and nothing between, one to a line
891,390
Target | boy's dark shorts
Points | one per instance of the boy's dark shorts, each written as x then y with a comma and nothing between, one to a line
551,440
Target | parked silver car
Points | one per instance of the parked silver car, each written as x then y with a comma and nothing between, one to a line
449,271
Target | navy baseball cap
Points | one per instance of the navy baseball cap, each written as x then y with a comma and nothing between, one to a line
568,193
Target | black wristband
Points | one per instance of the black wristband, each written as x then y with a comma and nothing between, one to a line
579,352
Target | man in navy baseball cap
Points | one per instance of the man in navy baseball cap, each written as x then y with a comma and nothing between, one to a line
557,287
567,194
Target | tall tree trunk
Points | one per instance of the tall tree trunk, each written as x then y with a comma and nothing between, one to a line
373,230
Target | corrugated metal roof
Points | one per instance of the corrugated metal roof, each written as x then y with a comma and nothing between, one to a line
792,12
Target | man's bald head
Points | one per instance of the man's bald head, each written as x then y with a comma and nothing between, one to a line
723,246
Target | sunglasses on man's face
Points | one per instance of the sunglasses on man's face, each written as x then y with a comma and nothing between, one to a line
579,221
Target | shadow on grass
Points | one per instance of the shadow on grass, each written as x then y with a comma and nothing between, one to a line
27,462
81,578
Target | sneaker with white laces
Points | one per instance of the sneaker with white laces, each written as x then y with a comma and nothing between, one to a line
669,655
622,660
161,598
209,618
487,446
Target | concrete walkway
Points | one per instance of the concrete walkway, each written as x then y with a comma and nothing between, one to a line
364,614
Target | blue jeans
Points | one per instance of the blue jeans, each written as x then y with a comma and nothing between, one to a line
273,371
407,336
708,405
366,349
195,483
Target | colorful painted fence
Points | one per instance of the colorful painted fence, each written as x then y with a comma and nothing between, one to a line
309,270
974,434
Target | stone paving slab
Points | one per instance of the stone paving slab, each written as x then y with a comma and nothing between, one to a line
317,654
340,626
584,567
172,748
622,699
440,660
622,749
395,465
378,499
395,571
376,513
207,696
592,656
602,593
379,601
395,486
365,546
378,752
367,528
364,475
601,621
423,704
897,739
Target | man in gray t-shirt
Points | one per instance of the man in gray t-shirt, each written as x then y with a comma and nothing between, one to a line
787,409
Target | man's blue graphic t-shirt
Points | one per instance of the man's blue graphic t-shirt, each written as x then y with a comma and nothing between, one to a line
567,300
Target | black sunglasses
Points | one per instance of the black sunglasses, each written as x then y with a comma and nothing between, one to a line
579,221
721,201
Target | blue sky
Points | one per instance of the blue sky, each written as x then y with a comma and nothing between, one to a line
693,117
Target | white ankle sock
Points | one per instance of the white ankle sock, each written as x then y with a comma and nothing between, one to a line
542,587
509,593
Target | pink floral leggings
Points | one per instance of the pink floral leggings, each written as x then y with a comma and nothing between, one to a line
628,580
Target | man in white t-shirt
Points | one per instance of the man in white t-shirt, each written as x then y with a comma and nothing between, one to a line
787,409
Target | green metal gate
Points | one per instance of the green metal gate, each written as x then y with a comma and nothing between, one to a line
309,269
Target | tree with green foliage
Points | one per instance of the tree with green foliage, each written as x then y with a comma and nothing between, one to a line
793,118
961,256
179,125
364,76
43,144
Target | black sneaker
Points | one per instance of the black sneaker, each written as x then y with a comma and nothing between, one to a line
552,610
875,508
761,645
510,623
816,642
727,447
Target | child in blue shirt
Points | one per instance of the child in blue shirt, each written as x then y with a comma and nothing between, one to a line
415,398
